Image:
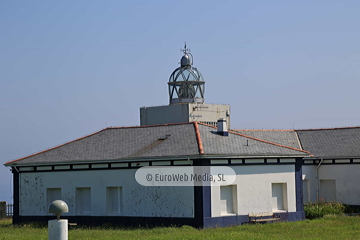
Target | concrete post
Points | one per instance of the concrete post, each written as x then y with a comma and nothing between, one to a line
2,210
58,229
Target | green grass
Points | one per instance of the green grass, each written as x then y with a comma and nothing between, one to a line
329,227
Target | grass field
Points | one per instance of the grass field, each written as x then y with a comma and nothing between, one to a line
332,227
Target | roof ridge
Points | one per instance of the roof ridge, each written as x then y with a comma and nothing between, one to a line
298,140
257,139
155,125
206,124
259,130
198,138
316,129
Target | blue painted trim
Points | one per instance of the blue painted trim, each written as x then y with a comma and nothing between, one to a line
206,201
292,216
198,206
214,222
299,185
16,201
209,222
116,221
202,197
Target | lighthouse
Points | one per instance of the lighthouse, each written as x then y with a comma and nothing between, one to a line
186,99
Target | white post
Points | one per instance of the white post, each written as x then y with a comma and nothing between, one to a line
58,229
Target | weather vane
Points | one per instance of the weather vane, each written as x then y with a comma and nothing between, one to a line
185,50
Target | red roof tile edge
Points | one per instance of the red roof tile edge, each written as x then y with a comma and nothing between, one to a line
198,138
260,140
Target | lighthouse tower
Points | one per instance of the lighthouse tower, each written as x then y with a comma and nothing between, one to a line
186,99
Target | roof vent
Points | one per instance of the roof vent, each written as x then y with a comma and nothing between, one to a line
164,137
222,128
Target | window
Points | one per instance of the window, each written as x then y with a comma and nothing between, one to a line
328,190
228,199
306,191
83,200
52,194
279,196
114,200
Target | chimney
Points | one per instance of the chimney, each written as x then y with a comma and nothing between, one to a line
222,127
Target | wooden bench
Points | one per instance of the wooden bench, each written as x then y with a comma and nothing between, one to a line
263,217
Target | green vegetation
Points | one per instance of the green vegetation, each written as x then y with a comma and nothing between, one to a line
321,208
330,227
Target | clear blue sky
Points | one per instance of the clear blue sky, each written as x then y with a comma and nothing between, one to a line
69,68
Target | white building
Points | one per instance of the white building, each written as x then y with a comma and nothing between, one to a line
331,173
95,175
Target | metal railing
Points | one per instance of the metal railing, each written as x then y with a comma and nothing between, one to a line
9,210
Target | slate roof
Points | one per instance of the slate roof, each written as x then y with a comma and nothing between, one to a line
333,142
327,142
168,140
128,142
239,144
283,137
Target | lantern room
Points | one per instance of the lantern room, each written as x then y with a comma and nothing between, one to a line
186,84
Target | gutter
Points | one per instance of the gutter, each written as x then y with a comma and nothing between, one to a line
318,180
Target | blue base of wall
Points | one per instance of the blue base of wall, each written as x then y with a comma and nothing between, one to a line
116,221
292,216
209,222
214,222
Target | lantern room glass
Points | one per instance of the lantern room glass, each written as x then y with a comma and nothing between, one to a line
186,85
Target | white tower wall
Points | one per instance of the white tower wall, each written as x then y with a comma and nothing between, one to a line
185,112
